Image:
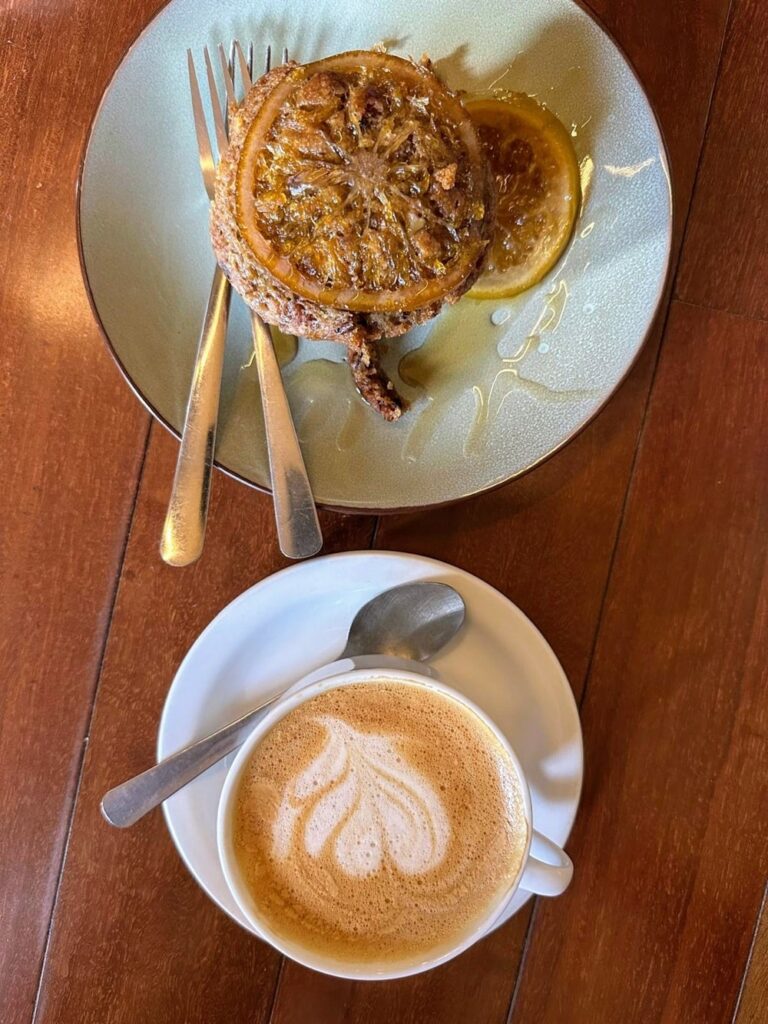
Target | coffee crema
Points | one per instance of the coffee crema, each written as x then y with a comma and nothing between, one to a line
378,823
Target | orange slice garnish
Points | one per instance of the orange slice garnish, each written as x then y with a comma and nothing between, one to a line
536,174
362,185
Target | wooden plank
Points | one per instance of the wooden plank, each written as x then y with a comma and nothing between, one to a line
675,49
671,842
753,1001
134,938
72,444
725,260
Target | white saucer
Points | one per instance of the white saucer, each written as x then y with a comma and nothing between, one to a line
297,620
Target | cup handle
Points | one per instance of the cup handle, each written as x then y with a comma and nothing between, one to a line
550,876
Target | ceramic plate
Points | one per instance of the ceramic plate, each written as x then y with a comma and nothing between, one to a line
494,386
298,619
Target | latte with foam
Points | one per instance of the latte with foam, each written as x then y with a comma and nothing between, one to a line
378,823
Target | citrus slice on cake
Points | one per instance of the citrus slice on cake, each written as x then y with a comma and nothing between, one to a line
536,174
362,185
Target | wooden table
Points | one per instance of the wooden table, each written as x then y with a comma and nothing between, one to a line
639,550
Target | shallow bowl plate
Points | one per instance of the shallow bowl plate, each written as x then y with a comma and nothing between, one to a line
494,386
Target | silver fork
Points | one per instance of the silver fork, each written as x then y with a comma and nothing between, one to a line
298,529
184,529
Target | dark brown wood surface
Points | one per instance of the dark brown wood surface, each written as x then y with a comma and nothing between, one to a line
72,446
673,841
640,550
751,1009
726,259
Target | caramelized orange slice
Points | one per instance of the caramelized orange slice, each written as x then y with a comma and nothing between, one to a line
537,184
362,185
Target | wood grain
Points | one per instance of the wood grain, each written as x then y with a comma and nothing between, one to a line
134,938
675,50
753,1001
671,844
725,260
72,443
675,712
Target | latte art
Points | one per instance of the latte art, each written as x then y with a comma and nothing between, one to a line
378,823
358,796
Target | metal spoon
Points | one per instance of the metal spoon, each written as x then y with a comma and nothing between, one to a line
412,621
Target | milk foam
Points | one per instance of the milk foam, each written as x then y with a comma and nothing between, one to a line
378,822
360,797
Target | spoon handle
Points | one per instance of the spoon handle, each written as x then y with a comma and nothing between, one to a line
126,803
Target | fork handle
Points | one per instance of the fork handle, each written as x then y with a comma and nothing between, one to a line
184,528
298,529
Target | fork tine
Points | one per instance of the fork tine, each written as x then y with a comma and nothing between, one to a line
233,66
229,85
268,60
285,55
218,117
243,66
201,131
250,59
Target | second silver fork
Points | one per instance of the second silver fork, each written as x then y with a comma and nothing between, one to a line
183,535
298,529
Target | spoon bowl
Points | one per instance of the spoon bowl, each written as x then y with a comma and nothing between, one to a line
412,621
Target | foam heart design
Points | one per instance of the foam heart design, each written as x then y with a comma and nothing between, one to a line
362,798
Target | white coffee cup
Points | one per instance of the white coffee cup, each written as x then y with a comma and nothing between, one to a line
548,877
